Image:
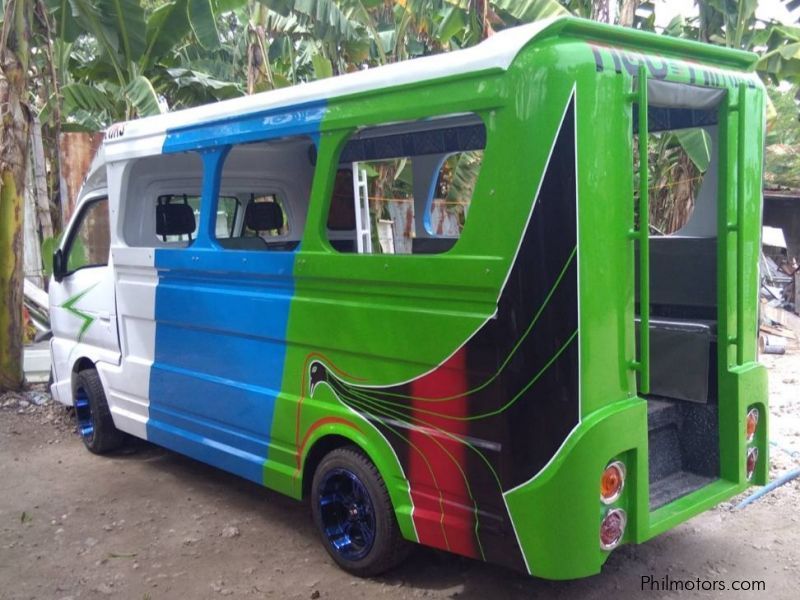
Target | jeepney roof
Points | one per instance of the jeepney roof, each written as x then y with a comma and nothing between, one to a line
143,137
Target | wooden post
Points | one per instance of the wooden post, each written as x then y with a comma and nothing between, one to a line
76,151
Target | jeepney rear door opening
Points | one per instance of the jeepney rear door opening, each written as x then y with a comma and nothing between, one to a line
677,276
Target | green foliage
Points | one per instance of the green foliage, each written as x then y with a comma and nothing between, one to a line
781,58
696,143
783,140
526,11
166,23
203,23
142,96
733,23
49,246
117,58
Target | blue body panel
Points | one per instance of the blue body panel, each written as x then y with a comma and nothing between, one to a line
220,351
301,119
221,317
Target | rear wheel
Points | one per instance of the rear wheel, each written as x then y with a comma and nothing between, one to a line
95,425
354,515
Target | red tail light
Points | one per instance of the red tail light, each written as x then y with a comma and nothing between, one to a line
752,461
612,482
751,424
612,528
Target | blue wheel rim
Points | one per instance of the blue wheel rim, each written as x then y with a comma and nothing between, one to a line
348,517
83,413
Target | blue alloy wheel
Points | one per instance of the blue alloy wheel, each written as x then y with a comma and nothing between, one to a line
348,517
83,413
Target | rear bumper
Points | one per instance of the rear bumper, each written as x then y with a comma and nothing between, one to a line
557,514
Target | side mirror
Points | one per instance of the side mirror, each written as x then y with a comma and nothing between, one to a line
59,266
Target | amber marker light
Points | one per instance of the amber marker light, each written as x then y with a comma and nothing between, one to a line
612,482
752,461
751,424
612,528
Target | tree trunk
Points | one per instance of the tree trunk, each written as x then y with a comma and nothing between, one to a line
601,11
259,72
628,12
39,178
13,153
32,243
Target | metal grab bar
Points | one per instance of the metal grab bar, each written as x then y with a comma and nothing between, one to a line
740,206
737,227
643,236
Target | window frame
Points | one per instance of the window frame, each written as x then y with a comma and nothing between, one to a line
261,187
85,207
350,133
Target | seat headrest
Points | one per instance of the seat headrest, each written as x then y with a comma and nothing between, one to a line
263,216
174,219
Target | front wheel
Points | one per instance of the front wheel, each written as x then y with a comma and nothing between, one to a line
354,514
95,425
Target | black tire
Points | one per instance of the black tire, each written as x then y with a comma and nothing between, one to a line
388,548
104,436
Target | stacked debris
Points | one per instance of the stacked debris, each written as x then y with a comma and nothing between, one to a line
780,273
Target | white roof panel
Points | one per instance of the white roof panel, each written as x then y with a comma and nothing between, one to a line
145,136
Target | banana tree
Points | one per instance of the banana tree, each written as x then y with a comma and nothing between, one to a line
14,63
121,59
735,24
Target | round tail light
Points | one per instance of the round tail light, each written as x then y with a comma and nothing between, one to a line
612,482
752,461
612,528
751,424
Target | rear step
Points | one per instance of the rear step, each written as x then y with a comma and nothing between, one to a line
683,454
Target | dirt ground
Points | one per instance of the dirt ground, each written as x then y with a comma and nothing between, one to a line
151,524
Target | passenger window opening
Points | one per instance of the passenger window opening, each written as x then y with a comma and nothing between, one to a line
156,182
410,186
271,182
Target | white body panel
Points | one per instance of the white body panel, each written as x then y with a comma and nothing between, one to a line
127,385
83,318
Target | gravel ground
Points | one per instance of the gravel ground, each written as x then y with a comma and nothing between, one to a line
150,524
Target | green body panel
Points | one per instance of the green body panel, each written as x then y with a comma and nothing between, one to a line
394,318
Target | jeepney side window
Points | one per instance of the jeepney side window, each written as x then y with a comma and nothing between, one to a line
160,204
272,182
406,188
